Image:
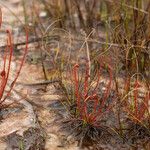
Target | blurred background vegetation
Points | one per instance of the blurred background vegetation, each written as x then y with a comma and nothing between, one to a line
125,26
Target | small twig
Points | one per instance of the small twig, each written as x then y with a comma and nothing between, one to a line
33,40
39,83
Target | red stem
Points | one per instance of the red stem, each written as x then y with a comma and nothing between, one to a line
76,83
86,82
6,74
21,64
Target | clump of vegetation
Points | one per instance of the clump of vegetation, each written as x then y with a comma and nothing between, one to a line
87,102
5,86
134,112
137,108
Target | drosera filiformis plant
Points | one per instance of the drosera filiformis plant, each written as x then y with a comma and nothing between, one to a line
88,104
5,70
137,108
